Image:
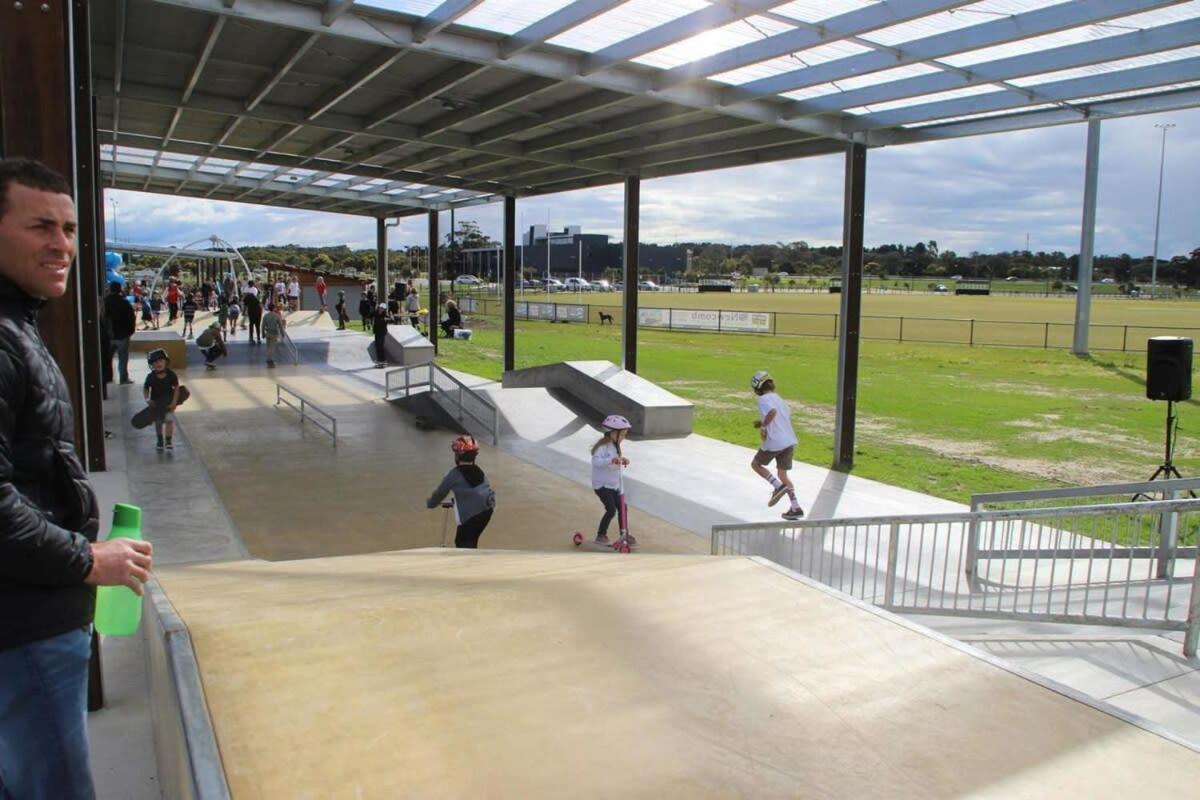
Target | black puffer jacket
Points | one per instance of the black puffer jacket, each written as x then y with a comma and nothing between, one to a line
48,513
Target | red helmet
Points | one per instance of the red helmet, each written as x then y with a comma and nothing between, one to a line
464,444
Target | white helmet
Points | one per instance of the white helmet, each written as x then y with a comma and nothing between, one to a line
615,422
759,378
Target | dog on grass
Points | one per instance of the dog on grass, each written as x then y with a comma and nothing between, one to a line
605,318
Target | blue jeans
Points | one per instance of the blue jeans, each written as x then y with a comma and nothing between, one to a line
121,346
43,719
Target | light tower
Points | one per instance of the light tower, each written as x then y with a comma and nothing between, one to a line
1158,212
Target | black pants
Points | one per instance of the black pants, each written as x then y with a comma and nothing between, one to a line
381,347
467,535
612,502
255,326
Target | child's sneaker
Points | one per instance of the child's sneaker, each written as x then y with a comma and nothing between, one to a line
210,367
159,445
602,539
632,542
170,445
777,494
793,513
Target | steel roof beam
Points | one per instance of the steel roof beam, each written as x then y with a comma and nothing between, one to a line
285,116
334,9
609,126
299,48
559,112
361,77
444,80
1159,102
852,23
118,69
714,147
552,25
1113,48
560,66
1062,16
225,134
495,101
440,17
194,76
1127,80
288,162
677,30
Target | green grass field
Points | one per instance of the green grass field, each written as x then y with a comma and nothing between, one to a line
943,419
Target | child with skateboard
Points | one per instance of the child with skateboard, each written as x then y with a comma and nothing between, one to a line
778,442
607,463
190,305
161,391
343,317
474,499
212,343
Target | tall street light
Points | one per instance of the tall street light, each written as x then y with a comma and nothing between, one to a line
113,201
1158,213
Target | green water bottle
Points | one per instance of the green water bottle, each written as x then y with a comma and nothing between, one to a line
118,609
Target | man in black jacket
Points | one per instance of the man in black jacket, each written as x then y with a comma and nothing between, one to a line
50,562
123,322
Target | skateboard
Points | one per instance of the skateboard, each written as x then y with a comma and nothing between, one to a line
145,417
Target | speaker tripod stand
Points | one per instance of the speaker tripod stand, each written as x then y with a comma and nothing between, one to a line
1167,469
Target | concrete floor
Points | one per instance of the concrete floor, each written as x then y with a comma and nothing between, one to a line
247,479
441,673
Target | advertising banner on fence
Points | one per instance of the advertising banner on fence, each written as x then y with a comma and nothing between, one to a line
705,320
551,311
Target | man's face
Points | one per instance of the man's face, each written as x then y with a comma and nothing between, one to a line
37,240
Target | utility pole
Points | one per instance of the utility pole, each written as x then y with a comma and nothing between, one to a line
1162,158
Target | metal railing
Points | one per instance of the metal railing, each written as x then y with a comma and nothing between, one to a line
1096,564
306,409
455,397
1177,488
290,348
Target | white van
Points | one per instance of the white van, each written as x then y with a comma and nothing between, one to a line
577,285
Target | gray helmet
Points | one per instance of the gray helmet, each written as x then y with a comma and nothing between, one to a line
759,378
155,355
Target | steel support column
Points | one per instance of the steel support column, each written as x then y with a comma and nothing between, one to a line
1087,238
510,282
37,121
851,306
629,322
435,290
381,260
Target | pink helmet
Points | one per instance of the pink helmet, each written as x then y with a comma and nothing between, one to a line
615,422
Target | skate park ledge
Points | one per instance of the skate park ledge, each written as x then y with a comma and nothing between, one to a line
604,388
171,341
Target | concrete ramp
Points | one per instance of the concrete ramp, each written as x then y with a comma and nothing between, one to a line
604,388
444,673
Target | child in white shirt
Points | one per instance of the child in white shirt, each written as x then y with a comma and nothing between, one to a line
778,442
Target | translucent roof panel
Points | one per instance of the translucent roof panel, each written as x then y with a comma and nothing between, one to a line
624,21
798,60
818,10
989,115
955,19
419,8
510,16
253,173
967,91
1110,66
727,37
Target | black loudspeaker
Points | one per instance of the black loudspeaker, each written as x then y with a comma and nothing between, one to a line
1169,368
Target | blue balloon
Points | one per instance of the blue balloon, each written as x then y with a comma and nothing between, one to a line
112,261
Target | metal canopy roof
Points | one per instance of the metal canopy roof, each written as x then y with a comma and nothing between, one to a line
394,107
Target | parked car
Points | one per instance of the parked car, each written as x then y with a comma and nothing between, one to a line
602,286
1071,288
1012,278
553,285
577,285
529,283
1107,280
647,286
468,280
941,288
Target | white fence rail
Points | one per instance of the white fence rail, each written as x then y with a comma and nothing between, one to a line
293,399
1096,564
452,395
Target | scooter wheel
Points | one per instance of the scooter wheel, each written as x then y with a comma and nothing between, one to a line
621,547
577,539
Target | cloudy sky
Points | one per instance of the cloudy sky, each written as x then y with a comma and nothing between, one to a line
984,193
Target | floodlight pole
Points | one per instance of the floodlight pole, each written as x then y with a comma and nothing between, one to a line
1162,158
1087,239
381,257
629,322
435,289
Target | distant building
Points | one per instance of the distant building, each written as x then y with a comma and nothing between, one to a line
565,248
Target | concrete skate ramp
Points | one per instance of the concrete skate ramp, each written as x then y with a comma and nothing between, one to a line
604,388
443,673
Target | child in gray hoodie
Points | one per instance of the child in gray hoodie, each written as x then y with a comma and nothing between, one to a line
473,497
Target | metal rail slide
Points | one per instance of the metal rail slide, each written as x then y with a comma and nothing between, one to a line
455,397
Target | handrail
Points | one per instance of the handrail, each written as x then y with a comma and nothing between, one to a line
490,418
305,404
1164,487
1113,564
290,345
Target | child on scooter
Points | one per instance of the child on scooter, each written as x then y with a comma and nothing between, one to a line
607,463
474,499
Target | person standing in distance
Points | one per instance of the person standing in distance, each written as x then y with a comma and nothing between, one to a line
121,316
50,561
